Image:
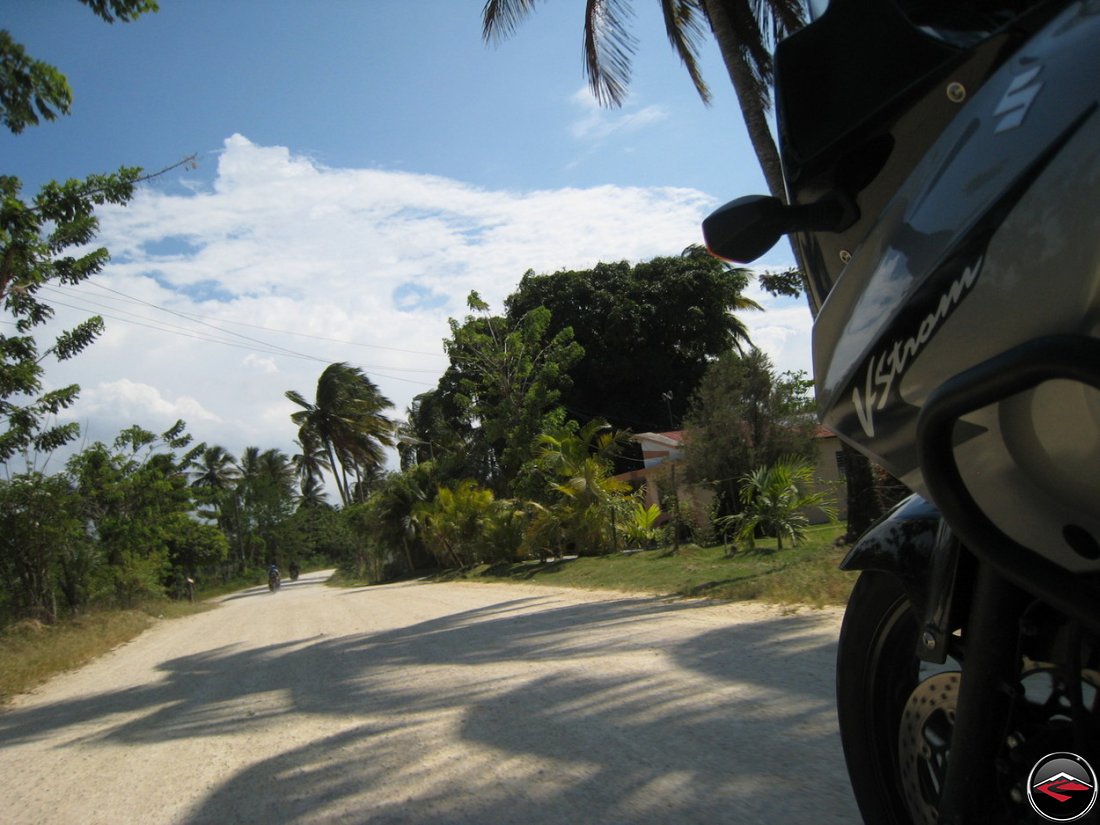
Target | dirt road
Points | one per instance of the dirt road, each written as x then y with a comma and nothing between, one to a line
461,703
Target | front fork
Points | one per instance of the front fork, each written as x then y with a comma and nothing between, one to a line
989,674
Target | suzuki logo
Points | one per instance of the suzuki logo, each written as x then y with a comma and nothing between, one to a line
1017,100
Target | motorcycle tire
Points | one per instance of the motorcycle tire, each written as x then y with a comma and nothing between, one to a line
877,671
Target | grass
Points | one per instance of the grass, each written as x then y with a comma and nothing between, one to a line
32,652
806,574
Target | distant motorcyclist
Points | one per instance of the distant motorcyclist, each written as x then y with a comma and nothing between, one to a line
272,578
294,571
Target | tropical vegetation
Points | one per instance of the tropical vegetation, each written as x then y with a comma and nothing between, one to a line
522,451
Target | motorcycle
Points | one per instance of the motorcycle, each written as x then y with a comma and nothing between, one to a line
273,580
942,165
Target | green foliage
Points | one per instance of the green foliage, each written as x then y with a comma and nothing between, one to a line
743,416
42,546
133,496
29,88
608,44
503,385
454,523
646,330
641,525
788,283
345,421
586,504
193,545
35,239
775,500
397,524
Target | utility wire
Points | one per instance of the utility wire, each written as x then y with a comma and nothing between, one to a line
258,346
194,315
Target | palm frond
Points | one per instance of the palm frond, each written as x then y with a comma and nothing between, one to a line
608,50
499,18
685,29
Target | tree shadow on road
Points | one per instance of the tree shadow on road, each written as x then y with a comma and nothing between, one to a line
553,727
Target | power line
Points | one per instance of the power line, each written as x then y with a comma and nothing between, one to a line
196,315
257,346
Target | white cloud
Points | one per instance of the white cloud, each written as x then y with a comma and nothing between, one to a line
260,363
596,123
137,403
207,284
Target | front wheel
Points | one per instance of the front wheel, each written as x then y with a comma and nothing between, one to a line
895,712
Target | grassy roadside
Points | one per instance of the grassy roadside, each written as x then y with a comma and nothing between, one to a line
32,652
806,574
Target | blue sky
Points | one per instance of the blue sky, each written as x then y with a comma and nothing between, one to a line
361,167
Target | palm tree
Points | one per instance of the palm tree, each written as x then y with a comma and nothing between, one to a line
346,419
744,29
775,501
311,463
588,498
215,469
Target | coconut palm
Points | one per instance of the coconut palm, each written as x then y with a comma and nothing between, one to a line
310,463
744,29
214,469
346,419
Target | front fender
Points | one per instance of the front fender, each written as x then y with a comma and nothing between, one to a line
903,543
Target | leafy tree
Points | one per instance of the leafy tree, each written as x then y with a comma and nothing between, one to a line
43,546
30,90
133,495
193,546
743,416
314,532
503,385
46,240
346,420
775,500
398,510
311,464
744,31
266,493
648,332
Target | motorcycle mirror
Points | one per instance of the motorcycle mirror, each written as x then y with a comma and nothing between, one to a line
746,228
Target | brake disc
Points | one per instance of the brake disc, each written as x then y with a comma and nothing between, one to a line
924,739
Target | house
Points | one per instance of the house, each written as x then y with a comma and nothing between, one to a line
663,464
830,473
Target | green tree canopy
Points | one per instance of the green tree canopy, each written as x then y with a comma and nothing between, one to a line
647,330
744,415
133,495
504,383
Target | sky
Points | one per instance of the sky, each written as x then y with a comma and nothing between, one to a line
360,168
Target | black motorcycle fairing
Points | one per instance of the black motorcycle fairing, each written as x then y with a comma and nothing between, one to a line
857,134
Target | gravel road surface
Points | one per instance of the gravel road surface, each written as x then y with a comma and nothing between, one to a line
457,703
